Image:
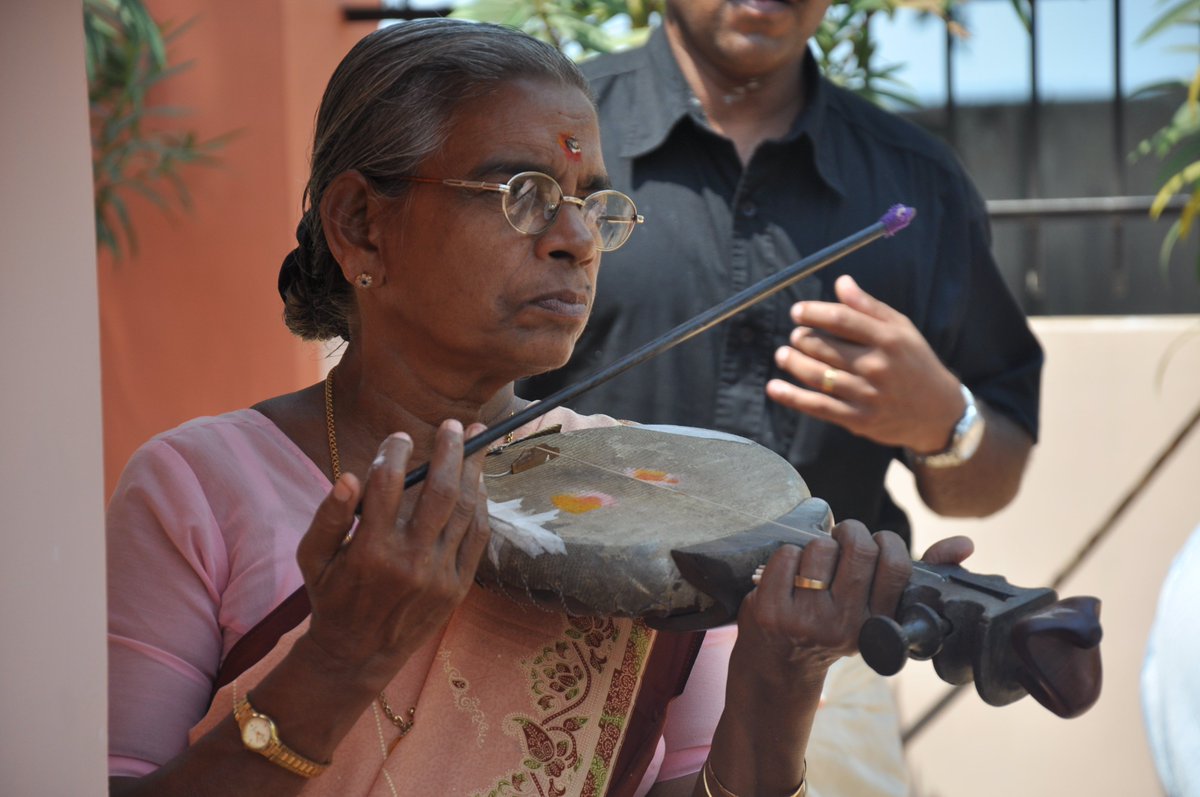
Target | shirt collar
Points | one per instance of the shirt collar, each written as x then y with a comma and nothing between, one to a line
664,103
811,124
661,103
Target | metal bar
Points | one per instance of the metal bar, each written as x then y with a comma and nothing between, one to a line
1120,271
1033,130
1118,122
1032,175
951,100
1079,207
380,14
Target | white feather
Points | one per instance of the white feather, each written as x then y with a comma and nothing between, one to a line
522,529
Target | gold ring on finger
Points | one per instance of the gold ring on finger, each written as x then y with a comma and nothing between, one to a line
829,381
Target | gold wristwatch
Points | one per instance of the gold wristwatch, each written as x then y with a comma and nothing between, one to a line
260,735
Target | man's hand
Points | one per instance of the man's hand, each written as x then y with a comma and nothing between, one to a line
871,372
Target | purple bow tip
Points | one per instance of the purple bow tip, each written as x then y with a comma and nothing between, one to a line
896,219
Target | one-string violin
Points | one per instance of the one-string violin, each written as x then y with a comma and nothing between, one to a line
1009,641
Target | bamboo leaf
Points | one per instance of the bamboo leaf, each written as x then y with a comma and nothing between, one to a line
1177,159
1024,14
1164,252
1172,186
122,213
126,56
1160,87
1186,12
1185,218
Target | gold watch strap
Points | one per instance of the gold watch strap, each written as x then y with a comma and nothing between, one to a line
276,751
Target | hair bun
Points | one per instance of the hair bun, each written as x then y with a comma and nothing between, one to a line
289,272
292,269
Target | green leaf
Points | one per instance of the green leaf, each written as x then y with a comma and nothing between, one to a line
1186,12
126,56
1161,87
1024,13
1164,252
1189,213
149,193
1175,161
122,213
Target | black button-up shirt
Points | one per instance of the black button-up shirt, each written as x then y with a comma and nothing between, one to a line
713,228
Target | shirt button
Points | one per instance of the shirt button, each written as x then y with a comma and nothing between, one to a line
749,209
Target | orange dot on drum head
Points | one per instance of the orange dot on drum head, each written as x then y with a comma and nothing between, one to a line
580,503
653,476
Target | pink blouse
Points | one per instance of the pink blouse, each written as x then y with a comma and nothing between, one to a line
202,534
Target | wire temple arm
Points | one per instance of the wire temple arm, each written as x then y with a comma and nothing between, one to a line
897,218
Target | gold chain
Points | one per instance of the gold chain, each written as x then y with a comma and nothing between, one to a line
330,429
335,461
405,725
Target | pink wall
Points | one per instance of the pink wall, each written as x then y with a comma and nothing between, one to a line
192,325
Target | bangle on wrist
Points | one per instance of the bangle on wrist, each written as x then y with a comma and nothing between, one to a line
714,788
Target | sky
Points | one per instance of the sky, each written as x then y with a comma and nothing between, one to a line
1074,50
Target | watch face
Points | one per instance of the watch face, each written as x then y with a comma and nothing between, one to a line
971,438
256,733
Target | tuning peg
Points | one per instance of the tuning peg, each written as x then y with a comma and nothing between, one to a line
886,644
1060,648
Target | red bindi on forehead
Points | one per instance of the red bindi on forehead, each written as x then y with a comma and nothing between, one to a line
570,146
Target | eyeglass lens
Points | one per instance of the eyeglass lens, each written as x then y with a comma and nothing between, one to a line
533,201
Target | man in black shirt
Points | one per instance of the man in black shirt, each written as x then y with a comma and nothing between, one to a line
744,159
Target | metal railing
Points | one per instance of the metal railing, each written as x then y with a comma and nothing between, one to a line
1080,207
1033,229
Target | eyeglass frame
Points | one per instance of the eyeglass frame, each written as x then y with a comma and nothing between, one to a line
503,188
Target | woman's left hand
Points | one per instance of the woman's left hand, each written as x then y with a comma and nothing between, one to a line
851,576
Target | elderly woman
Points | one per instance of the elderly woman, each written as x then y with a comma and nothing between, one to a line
456,216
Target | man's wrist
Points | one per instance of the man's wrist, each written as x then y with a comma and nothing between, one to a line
964,441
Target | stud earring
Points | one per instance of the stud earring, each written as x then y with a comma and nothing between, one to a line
364,280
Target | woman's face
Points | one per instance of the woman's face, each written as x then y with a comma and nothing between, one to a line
463,290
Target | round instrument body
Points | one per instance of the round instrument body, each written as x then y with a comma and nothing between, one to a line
595,521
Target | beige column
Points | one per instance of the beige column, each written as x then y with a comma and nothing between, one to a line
52,659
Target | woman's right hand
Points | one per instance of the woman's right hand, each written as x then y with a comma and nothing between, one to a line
378,596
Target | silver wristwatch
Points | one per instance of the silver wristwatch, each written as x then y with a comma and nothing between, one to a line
964,441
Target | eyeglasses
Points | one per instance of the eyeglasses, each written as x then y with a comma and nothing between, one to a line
531,201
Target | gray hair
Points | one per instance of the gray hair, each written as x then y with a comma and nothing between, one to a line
386,109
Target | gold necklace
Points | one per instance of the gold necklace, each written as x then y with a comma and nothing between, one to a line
335,461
